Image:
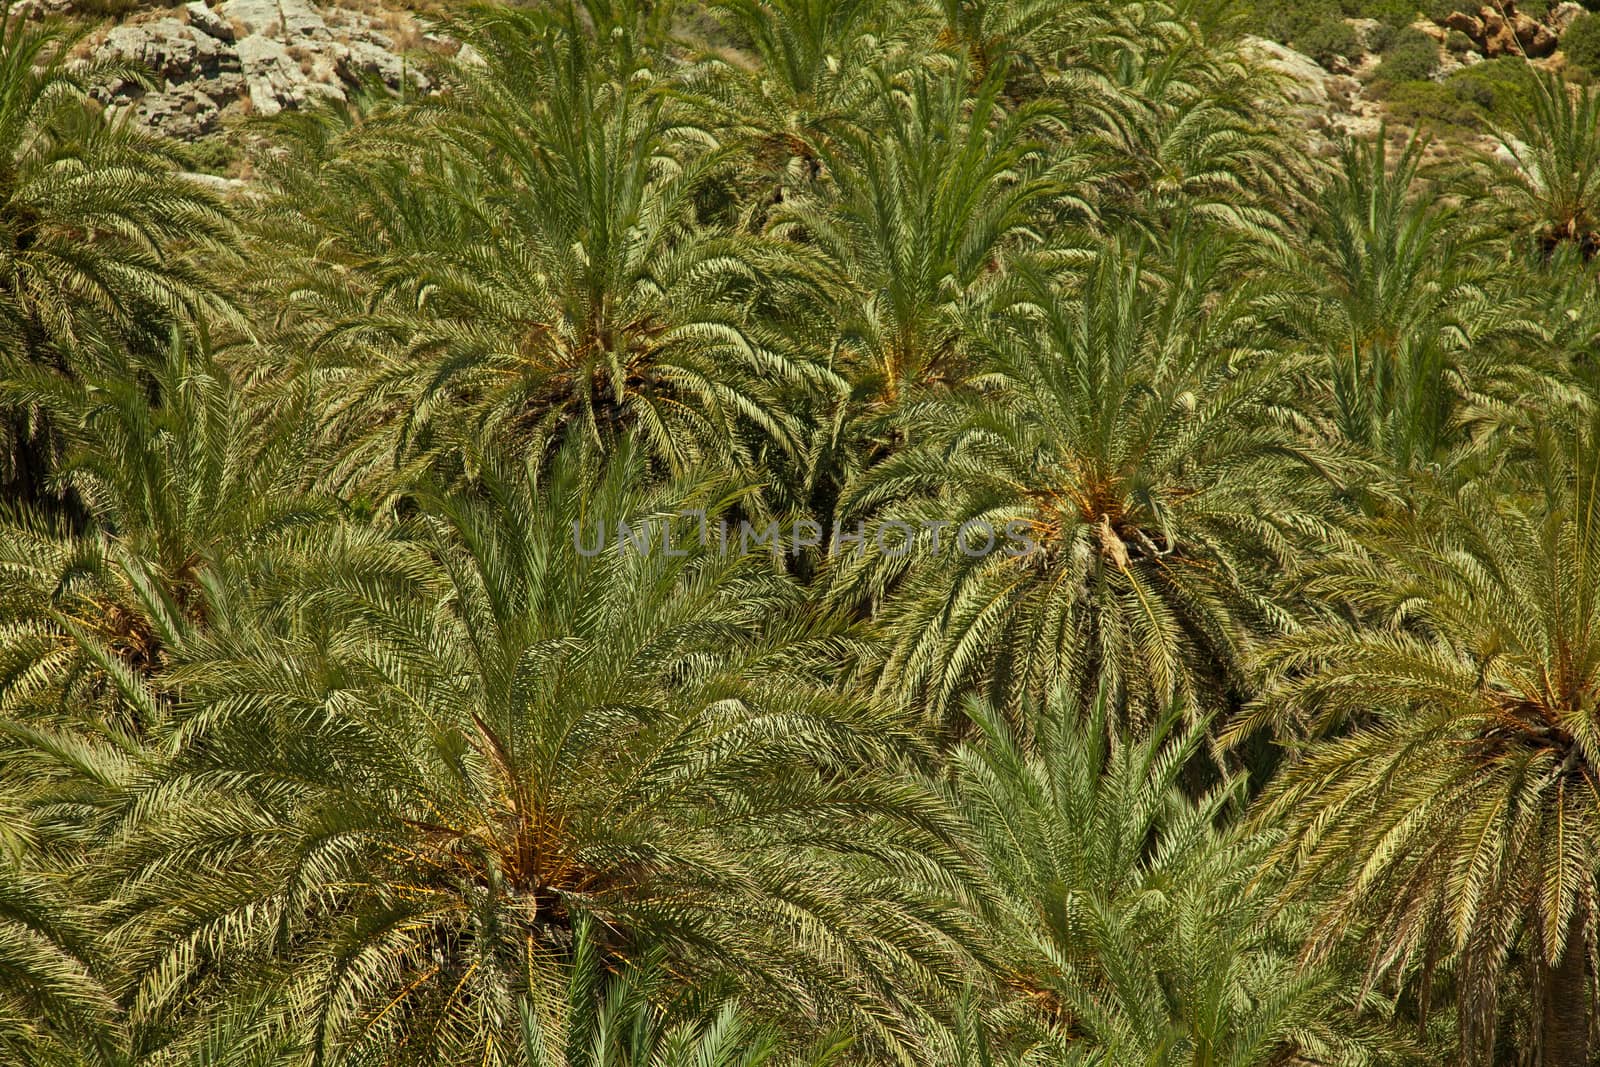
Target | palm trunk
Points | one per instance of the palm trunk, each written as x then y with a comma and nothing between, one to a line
1566,1001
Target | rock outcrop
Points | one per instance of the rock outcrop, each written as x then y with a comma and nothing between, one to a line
1334,101
1499,29
1328,105
1562,15
210,59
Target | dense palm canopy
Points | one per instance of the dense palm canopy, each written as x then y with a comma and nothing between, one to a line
788,533
1155,955
640,739
97,230
1125,423
1459,823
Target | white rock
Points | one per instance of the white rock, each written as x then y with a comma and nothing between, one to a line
287,20
1323,102
1562,15
361,59
1507,152
278,54
273,77
215,182
207,21
186,114
1366,29
168,49
1304,82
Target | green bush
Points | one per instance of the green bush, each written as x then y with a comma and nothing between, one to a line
1411,56
1458,43
208,155
1395,13
1290,20
1326,40
1439,10
1500,88
1433,106
1380,37
1581,42
1471,100
1286,20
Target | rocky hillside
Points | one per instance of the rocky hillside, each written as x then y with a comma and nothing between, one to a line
212,60
1455,73
1452,72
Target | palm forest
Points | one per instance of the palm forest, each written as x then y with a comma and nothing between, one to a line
799,533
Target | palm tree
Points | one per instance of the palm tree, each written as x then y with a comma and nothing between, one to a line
1125,430
916,226
925,209
1453,821
396,668
1184,127
539,260
988,33
469,732
54,1007
1130,923
183,483
94,220
1405,311
811,82
1553,189
600,1019
975,1032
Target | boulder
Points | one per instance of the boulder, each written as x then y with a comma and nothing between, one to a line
1510,153
225,87
215,183
1499,38
39,9
208,21
1537,39
276,54
1328,106
1431,29
186,114
1471,25
1366,31
360,60
1304,82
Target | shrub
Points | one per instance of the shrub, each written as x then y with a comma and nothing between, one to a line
208,155
1500,88
1396,13
1325,40
1288,20
1581,42
1380,37
1458,42
105,8
1433,106
1470,100
1411,56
